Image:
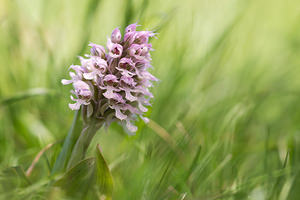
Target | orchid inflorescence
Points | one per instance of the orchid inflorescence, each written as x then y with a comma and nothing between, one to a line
113,85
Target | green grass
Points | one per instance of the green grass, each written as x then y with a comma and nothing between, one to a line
225,121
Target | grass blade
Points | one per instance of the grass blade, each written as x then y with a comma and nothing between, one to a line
70,140
25,95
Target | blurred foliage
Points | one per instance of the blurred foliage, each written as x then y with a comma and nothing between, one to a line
225,122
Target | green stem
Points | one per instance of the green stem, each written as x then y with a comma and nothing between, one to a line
69,142
83,142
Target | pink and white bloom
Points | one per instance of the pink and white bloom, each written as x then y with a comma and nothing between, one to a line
114,83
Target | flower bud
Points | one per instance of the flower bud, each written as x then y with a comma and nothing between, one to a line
97,50
115,50
116,36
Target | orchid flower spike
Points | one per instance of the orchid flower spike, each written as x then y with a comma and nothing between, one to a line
113,84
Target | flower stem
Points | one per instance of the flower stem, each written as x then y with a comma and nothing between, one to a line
84,141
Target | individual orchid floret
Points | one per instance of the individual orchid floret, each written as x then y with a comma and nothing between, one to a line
140,52
113,84
142,37
115,50
131,28
97,50
83,92
116,35
130,32
96,69
126,67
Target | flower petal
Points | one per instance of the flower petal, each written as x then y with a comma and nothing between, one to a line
142,108
109,92
145,119
129,96
66,82
131,127
74,106
119,114
89,76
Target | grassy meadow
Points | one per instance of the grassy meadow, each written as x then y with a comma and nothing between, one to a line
225,120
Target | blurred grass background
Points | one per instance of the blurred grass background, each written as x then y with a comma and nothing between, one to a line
225,121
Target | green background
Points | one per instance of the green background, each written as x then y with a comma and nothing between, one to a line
225,120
